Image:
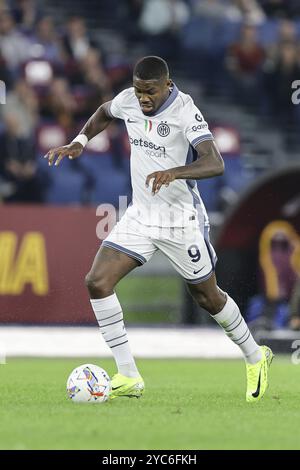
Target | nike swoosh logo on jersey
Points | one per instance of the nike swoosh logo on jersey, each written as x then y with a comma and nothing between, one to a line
116,388
256,393
196,272
131,120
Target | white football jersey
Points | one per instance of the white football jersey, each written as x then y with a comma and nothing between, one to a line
159,142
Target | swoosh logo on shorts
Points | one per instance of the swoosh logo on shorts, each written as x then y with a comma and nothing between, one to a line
131,120
196,272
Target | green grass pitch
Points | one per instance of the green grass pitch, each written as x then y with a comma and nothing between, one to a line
189,404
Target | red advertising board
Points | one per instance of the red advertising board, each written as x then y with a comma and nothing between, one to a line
45,253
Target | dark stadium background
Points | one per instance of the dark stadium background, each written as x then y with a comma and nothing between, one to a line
59,61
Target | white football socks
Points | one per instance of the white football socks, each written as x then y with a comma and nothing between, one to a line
235,327
108,312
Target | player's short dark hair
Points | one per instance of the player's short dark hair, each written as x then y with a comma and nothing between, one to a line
151,68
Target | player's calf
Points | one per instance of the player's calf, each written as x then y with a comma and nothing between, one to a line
208,295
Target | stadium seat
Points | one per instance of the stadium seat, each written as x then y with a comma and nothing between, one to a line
68,184
234,177
268,32
229,32
297,24
96,163
67,187
92,179
198,34
210,193
109,185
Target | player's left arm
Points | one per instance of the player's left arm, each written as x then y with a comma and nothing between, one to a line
208,164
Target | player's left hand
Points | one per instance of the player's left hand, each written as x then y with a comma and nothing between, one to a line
160,178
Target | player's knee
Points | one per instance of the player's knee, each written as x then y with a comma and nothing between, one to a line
98,286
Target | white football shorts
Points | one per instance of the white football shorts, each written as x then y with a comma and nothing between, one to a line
188,248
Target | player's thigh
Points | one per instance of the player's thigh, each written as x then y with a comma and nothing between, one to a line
125,248
190,253
111,265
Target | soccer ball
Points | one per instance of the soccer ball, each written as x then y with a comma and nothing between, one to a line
88,383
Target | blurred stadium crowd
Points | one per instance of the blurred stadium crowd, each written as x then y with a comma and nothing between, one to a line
58,69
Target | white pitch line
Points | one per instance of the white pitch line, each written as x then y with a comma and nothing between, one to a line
65,341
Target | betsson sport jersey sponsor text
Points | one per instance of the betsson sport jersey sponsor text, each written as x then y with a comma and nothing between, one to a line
151,148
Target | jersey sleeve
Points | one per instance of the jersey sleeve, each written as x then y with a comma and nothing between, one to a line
194,125
117,105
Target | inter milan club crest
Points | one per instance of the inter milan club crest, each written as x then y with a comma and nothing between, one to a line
163,129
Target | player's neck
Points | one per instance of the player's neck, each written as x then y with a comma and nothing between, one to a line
166,97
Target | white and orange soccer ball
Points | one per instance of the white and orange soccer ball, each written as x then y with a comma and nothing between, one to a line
88,383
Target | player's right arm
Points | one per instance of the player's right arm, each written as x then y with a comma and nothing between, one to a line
96,124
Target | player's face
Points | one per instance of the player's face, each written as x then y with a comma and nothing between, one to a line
151,93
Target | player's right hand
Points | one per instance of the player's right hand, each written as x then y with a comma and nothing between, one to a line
72,150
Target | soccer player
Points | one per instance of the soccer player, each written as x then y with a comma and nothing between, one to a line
171,147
